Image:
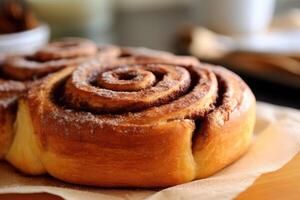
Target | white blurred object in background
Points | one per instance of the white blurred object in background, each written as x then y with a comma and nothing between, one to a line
234,17
25,41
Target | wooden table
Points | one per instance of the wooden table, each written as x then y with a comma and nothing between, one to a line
282,184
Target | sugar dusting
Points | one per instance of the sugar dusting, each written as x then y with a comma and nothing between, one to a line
191,96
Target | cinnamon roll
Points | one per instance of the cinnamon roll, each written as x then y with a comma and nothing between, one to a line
138,120
19,73
53,57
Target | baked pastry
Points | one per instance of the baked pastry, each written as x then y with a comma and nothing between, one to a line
142,120
51,58
19,73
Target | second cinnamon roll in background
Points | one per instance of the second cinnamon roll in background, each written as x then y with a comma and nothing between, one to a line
18,73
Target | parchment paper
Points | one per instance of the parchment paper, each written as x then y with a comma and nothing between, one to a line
276,141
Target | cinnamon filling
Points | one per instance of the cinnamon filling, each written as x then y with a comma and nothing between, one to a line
88,87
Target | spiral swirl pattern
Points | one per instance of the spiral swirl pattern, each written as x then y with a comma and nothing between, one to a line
144,93
169,116
53,57
66,48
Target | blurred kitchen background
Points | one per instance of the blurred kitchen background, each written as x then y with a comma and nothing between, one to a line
259,39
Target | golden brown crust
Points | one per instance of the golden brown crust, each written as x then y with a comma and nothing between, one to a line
7,117
226,132
110,124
